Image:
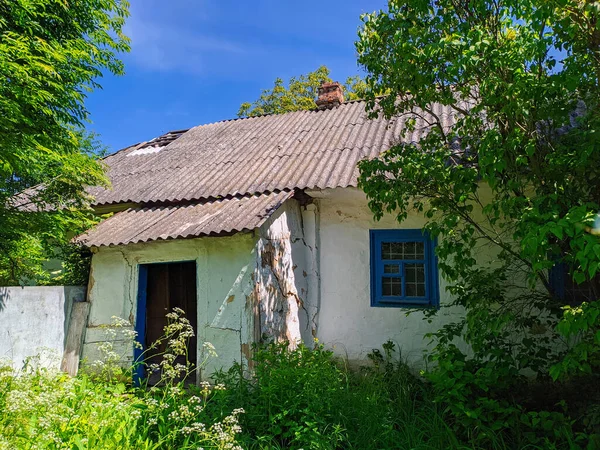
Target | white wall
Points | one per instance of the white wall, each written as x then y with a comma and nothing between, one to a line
34,322
248,285
281,278
305,272
224,283
346,320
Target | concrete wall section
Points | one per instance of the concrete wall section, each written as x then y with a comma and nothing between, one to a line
224,267
34,323
346,320
281,286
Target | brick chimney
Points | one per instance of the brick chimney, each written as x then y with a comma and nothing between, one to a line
330,95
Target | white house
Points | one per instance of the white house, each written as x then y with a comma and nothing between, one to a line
255,227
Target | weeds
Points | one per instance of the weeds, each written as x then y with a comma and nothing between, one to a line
294,399
305,399
41,409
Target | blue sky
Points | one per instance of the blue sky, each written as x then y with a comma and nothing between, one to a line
196,61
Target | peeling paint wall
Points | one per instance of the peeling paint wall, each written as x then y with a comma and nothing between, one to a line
281,281
311,273
346,320
225,267
250,287
304,274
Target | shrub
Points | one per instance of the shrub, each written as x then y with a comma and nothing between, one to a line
295,398
487,402
306,399
290,399
42,409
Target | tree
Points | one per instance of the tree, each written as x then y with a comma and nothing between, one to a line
516,173
52,53
299,95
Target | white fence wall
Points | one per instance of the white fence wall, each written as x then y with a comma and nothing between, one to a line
34,322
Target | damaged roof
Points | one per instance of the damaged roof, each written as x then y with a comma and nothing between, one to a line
230,176
219,217
298,150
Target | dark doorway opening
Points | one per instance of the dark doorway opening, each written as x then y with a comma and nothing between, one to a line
163,287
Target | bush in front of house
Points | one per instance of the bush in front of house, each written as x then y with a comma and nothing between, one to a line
297,398
102,409
41,409
308,399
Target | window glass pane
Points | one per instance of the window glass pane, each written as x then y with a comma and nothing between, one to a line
415,280
397,250
419,250
391,287
402,250
391,268
386,250
392,250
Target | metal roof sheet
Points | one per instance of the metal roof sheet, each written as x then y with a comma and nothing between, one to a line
304,149
225,216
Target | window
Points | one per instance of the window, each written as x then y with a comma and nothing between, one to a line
568,290
403,269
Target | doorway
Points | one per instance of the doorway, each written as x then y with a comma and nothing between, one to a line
163,287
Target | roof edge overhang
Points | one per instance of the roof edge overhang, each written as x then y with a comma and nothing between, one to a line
164,222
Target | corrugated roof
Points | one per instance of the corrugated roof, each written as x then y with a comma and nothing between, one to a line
304,149
225,216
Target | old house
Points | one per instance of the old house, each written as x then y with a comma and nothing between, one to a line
255,227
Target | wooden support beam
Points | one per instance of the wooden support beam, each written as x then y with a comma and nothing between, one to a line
74,344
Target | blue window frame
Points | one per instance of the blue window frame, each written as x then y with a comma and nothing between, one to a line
403,269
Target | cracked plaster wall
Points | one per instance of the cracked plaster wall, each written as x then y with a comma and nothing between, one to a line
224,266
304,274
347,322
250,286
281,278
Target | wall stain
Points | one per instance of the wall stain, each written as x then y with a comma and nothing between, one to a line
247,352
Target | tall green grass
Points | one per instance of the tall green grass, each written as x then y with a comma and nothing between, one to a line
294,399
42,409
306,399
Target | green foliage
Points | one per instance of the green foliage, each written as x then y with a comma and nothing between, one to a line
300,94
515,176
579,324
51,55
305,398
299,417
99,409
76,263
297,399
42,410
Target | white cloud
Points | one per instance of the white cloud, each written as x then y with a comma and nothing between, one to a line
171,43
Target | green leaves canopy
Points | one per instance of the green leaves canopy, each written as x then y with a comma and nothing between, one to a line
516,173
299,95
51,54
